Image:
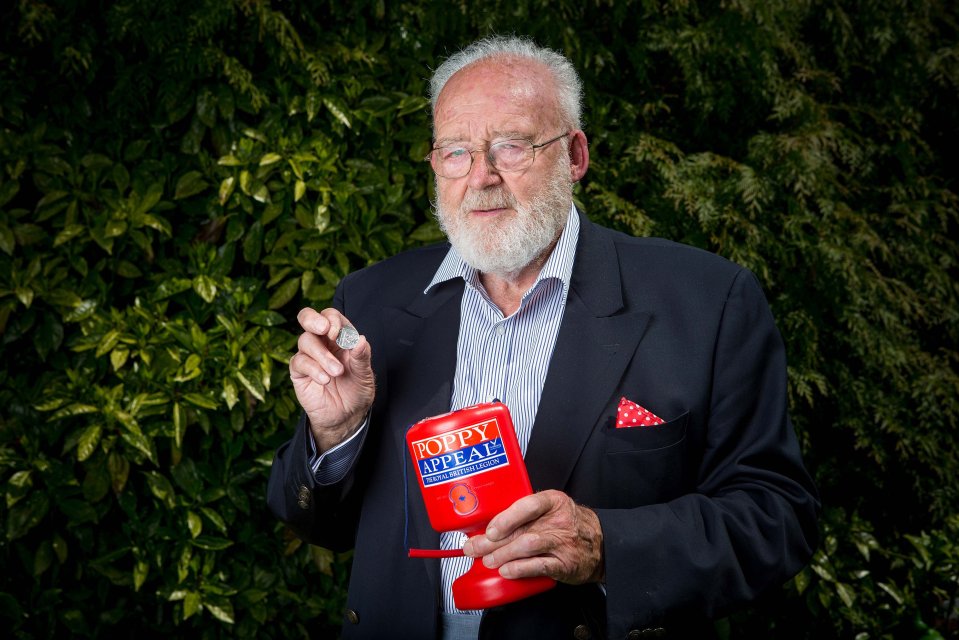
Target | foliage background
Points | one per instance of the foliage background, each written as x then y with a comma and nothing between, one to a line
178,177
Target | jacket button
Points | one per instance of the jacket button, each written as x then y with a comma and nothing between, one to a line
351,616
303,497
581,632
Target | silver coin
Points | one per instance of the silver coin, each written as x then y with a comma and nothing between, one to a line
347,338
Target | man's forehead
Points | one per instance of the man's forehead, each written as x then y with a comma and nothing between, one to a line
497,98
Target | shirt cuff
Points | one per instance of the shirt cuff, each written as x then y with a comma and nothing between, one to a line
332,466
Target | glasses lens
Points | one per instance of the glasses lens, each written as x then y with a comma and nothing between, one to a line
511,155
451,162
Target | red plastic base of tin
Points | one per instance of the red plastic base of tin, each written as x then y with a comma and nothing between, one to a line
482,588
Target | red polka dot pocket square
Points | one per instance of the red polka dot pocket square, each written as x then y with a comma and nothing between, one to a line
629,414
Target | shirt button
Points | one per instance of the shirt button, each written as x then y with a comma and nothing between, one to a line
500,330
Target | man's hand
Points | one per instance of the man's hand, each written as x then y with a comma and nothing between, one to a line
544,534
334,386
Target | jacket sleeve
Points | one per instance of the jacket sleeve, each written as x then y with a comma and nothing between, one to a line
324,515
750,523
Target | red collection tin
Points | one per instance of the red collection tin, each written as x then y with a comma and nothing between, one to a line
470,468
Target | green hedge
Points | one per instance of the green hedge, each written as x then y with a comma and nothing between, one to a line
178,178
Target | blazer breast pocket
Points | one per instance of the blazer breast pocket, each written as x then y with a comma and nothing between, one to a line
646,465
660,436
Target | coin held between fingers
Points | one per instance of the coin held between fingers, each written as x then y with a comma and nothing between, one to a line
347,338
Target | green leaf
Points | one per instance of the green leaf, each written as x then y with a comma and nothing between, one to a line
140,571
88,441
230,161
222,610
206,107
8,189
253,243
229,393
161,488
846,593
246,181
194,523
226,189
284,293
265,318
18,485
77,511
119,468
172,286
191,604
27,514
148,200
10,607
48,335
252,385
201,400
25,295
270,158
205,287
50,198
215,518
321,217
428,232
43,558
138,441
212,543
179,423
74,409
7,240
893,591
60,548
108,342
189,184
127,269
118,358
256,135
338,111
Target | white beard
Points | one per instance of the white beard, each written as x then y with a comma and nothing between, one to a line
503,247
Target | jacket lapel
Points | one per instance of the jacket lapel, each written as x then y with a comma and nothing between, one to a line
597,336
420,366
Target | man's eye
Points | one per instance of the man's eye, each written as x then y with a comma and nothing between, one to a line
452,153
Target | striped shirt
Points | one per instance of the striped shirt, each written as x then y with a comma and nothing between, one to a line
505,358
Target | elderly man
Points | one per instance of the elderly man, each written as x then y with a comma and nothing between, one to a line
650,530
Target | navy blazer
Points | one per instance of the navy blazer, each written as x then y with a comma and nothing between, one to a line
699,515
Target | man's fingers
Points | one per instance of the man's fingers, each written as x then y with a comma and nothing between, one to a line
533,568
327,322
313,321
521,512
315,348
524,545
303,366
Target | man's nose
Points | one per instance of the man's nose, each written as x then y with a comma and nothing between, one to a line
482,174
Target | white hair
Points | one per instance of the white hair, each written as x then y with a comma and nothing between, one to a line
569,88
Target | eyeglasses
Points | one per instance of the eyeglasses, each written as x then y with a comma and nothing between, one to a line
504,156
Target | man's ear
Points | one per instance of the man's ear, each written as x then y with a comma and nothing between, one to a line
578,155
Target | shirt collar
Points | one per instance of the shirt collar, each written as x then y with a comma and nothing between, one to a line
559,265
